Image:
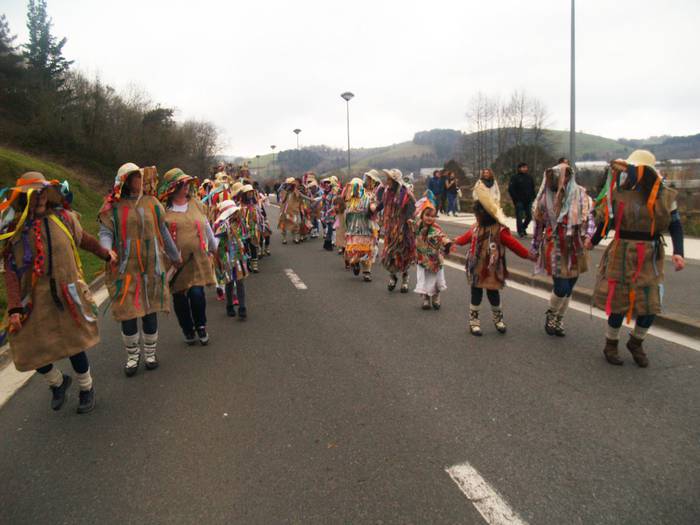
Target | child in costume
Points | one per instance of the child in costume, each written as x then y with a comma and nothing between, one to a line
290,210
51,311
188,225
486,268
328,193
132,223
231,258
250,224
431,244
639,207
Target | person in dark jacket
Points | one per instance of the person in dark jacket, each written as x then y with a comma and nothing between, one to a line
522,190
436,184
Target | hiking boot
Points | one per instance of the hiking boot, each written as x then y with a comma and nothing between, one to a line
634,345
133,359
404,283
202,335
436,301
498,320
150,342
58,393
242,313
610,352
367,277
559,326
550,325
426,302
474,323
230,310
86,401
393,280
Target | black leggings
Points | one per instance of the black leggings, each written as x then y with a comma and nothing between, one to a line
493,296
148,321
79,361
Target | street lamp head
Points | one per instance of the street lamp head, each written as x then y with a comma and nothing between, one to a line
347,96
297,131
273,146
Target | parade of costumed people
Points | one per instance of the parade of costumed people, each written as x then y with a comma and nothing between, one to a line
189,228
132,223
637,204
360,232
231,258
399,252
52,314
431,245
486,265
564,227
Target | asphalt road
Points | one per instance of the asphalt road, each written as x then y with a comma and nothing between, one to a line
682,289
344,403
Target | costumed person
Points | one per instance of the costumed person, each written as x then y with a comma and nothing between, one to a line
398,206
314,202
263,220
187,223
231,258
339,209
290,210
250,224
52,314
360,233
564,226
431,245
132,223
328,194
486,266
639,207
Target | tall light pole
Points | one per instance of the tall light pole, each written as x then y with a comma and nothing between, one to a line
297,131
257,164
347,96
273,159
572,132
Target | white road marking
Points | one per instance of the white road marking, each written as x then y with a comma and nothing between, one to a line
296,281
11,380
661,333
483,496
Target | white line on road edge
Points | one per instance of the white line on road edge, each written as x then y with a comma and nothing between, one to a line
11,380
296,281
483,496
661,333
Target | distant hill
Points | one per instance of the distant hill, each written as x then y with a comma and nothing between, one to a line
435,147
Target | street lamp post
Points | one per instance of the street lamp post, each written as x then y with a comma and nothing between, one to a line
572,132
347,96
297,131
273,159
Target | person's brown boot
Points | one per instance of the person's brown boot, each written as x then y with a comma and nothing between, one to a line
634,345
610,352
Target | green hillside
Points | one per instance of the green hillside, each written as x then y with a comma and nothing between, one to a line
587,146
86,201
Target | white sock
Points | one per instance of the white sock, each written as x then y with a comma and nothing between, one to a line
564,306
84,380
474,307
54,377
639,332
149,343
555,302
612,333
131,343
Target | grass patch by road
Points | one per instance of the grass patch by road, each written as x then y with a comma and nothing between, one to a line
85,200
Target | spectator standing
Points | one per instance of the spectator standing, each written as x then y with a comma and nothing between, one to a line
522,191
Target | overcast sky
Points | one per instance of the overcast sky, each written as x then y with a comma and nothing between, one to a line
258,69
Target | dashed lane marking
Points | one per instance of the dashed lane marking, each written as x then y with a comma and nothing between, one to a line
490,504
296,281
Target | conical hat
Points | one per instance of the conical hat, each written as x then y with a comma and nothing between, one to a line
493,208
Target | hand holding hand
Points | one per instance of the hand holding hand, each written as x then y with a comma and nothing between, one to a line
112,257
678,262
532,256
15,322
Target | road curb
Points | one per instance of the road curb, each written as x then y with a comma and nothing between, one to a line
669,320
6,358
